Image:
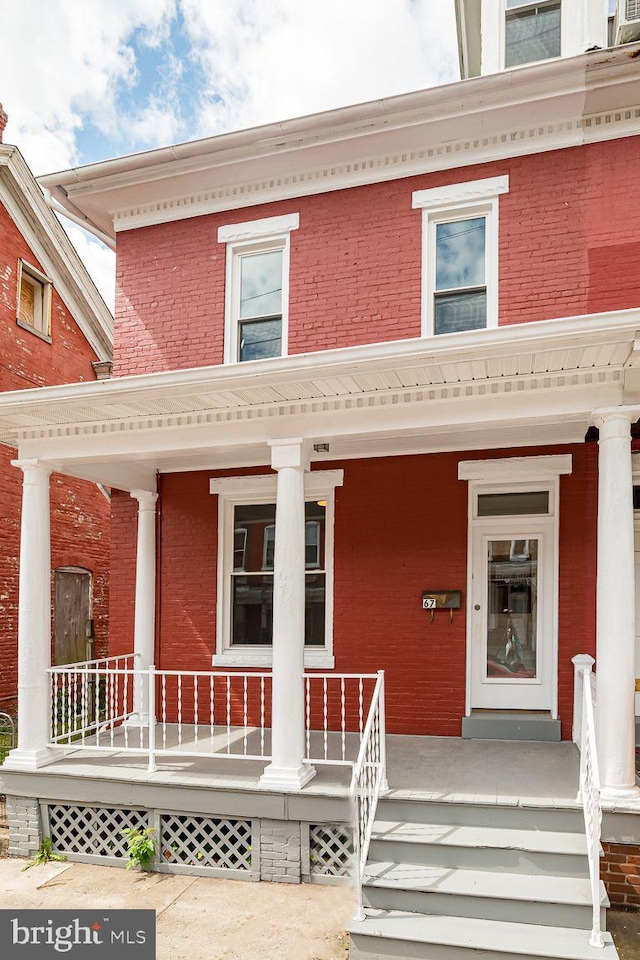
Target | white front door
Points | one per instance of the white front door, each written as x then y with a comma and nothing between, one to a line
512,657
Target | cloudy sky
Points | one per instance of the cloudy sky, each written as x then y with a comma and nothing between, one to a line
84,80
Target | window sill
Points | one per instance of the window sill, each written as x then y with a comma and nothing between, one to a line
313,659
33,330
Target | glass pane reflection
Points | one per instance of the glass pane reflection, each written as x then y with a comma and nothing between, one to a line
512,609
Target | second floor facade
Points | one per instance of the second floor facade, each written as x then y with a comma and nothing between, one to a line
499,200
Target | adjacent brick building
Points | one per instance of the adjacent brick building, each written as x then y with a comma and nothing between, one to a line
53,334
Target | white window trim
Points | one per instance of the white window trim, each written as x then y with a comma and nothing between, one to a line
254,236
45,283
319,485
459,201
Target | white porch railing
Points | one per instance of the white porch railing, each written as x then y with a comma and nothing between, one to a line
589,788
106,705
369,778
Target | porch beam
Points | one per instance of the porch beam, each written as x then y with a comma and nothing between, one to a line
145,598
34,620
287,771
615,598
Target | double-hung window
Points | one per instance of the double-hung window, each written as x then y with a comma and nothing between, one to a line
532,31
246,556
257,288
460,255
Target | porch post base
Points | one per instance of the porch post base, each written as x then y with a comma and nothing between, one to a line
137,720
286,778
29,759
621,796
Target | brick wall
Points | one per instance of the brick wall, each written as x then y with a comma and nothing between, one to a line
401,528
568,246
620,870
79,511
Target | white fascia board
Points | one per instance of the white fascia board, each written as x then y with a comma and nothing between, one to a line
471,191
589,328
42,231
259,229
516,468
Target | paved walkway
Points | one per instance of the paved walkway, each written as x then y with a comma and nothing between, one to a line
198,918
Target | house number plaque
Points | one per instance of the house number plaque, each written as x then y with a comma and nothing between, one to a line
433,600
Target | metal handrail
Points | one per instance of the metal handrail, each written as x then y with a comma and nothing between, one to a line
369,778
589,795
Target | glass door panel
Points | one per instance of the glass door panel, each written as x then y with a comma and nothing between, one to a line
512,609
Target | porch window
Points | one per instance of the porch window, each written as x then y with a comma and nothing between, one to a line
246,555
532,31
257,281
252,586
460,255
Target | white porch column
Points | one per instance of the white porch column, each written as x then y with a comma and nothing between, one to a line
145,603
286,770
34,620
615,595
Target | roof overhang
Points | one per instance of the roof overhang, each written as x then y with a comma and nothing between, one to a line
522,385
538,107
25,204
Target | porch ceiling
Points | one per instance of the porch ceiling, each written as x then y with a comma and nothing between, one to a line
534,383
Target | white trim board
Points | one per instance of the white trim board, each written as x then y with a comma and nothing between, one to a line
515,468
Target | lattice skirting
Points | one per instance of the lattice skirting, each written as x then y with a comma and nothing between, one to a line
328,853
210,846
203,845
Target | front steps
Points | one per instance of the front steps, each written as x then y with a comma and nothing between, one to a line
456,881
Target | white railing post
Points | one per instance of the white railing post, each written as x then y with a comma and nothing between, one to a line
151,677
581,663
589,794
384,785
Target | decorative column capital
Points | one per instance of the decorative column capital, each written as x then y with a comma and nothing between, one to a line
146,499
615,423
293,452
34,471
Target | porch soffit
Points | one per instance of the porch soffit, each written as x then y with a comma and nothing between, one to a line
507,367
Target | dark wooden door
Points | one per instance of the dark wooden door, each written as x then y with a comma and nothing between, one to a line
72,612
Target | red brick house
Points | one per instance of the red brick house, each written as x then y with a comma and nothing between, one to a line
373,407
54,328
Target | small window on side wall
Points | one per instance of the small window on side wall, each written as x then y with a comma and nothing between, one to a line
460,255
33,300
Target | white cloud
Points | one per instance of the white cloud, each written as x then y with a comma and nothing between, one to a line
99,260
266,62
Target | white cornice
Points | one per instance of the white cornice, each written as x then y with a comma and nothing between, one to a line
25,204
536,108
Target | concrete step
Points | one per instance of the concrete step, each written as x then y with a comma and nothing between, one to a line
510,897
409,936
510,725
481,848
503,815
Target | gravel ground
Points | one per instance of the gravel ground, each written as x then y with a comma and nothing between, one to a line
198,918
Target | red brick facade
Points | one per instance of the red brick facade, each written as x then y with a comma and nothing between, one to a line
400,528
79,511
620,871
568,246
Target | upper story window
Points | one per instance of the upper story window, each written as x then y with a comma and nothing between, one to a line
460,255
34,300
532,31
257,288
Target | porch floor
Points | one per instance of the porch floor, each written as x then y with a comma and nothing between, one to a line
427,768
